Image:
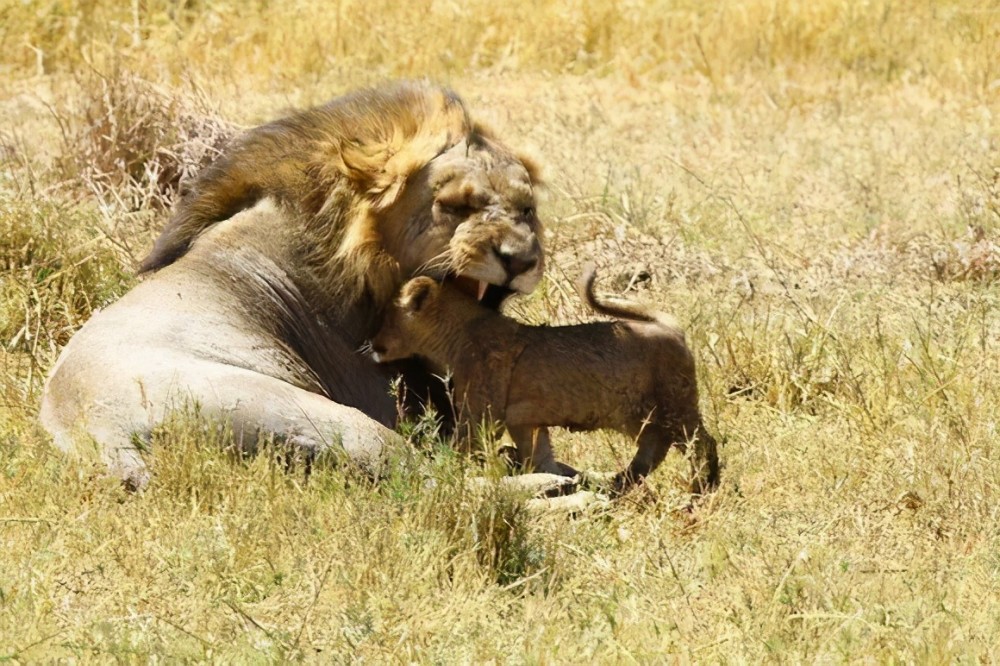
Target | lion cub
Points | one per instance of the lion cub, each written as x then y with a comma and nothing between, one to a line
636,376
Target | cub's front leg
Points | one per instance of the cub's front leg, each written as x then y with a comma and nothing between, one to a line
534,450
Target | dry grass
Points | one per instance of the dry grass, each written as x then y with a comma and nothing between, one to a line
228,41
813,189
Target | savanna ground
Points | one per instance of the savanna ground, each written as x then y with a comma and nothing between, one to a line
812,188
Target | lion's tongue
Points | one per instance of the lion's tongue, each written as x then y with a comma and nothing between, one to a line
474,288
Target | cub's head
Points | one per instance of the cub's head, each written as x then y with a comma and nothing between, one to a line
422,320
471,216
407,321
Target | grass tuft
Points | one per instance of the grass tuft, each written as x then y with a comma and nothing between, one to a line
57,270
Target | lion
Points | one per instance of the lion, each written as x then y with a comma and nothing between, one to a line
277,265
635,375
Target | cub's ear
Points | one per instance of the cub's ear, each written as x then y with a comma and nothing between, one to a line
416,292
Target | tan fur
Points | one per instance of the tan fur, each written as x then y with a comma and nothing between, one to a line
637,376
275,268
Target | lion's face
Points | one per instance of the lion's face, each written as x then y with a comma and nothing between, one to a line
476,219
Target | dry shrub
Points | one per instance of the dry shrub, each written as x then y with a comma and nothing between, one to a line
135,144
975,257
130,146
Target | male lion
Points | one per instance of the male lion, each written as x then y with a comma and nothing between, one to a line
636,376
276,266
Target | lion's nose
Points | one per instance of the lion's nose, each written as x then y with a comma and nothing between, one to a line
517,263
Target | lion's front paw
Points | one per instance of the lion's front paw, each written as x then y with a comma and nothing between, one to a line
577,502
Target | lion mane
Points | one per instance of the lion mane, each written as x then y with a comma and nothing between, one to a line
339,166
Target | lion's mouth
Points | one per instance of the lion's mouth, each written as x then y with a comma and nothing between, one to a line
475,288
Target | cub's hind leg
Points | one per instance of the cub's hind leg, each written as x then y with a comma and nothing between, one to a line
704,461
656,439
653,441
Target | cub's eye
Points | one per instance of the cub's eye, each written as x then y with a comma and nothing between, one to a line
528,211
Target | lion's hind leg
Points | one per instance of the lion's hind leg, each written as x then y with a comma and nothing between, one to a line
258,406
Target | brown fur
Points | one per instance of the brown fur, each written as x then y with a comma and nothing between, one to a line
636,376
276,267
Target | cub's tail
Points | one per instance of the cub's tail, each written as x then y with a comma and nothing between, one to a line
619,310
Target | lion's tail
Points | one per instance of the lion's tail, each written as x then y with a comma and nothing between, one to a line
621,310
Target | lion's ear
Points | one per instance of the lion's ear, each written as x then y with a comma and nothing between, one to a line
481,132
415,294
534,169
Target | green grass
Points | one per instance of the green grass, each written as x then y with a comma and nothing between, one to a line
812,189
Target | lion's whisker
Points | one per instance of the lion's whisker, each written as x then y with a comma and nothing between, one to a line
439,261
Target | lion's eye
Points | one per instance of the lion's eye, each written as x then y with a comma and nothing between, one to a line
456,209
529,211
